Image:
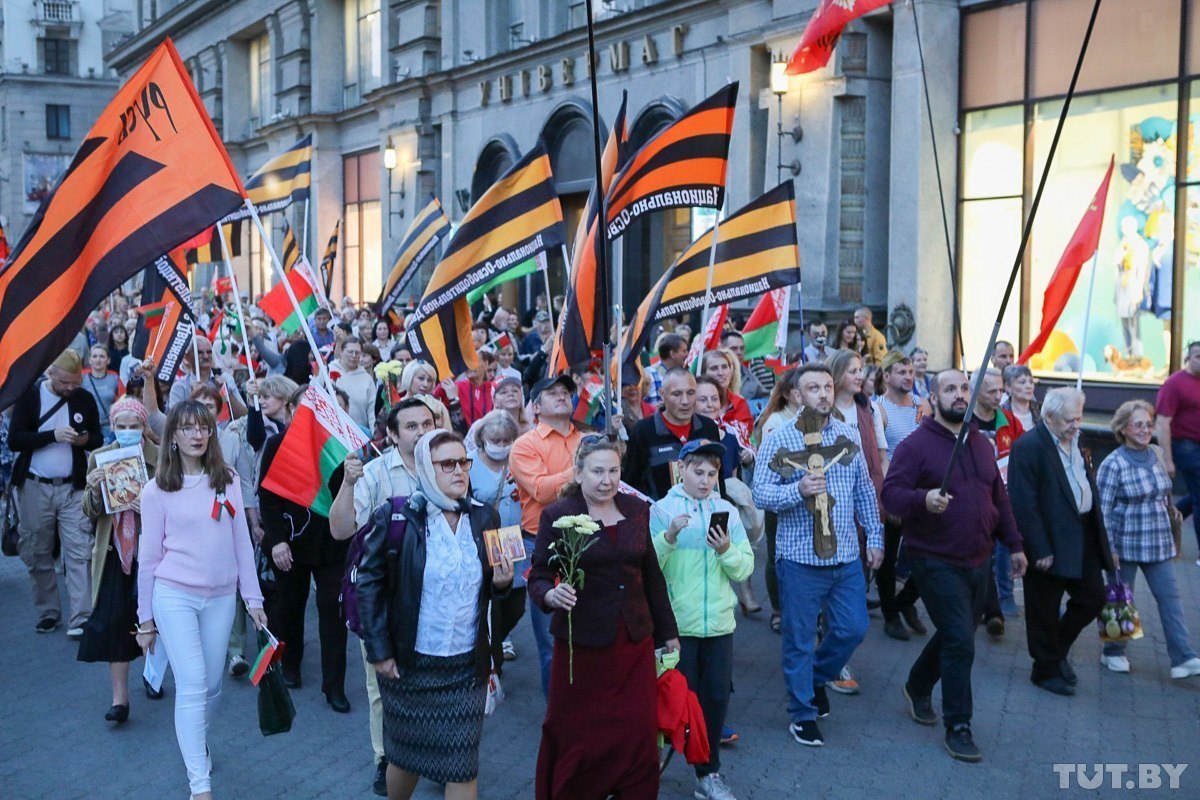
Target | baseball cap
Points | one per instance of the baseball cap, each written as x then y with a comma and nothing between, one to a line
702,447
546,383
541,316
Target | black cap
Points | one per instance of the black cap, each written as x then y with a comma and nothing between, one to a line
702,447
546,383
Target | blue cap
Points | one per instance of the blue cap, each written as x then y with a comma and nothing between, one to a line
702,447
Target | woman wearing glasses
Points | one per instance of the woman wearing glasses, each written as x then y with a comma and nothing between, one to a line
1135,499
194,555
599,737
423,605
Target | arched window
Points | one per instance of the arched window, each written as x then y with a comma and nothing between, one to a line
497,158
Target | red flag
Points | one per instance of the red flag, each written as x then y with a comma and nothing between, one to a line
223,285
710,338
823,31
1083,244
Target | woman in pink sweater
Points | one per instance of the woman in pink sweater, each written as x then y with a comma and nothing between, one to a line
194,555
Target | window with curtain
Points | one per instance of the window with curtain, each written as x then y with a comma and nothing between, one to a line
364,50
363,252
261,90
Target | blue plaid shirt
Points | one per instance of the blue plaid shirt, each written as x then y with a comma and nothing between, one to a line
1134,499
848,484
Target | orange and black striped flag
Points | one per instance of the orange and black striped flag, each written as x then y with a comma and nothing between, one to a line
150,174
757,251
330,259
426,230
289,254
581,328
517,218
281,181
682,166
209,252
165,337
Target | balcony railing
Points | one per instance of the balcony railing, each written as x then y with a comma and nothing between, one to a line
58,11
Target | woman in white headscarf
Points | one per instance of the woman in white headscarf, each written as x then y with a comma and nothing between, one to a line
423,602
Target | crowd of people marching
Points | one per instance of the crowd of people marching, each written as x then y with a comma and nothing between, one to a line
828,464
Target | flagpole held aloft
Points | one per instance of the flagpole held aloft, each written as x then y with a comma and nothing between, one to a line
1087,318
322,370
237,298
1012,277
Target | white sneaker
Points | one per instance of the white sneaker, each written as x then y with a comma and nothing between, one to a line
1116,663
510,652
711,787
75,633
1187,669
238,667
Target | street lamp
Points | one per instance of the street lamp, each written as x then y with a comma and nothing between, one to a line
779,87
390,162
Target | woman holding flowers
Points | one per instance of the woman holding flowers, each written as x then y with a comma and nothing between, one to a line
595,568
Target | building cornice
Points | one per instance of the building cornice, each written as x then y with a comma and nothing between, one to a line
130,53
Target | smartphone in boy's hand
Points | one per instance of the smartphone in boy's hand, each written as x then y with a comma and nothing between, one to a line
718,531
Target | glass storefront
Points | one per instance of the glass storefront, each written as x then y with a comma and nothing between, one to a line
1129,114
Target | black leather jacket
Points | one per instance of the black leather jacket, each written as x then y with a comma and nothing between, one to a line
390,583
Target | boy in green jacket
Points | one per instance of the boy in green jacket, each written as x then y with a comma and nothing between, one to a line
699,558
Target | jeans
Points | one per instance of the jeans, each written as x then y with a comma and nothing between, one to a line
890,603
539,621
195,631
1161,578
953,598
803,590
1186,455
707,663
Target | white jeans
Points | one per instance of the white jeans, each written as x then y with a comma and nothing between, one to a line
195,631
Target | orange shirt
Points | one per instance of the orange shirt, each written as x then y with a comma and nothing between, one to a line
541,461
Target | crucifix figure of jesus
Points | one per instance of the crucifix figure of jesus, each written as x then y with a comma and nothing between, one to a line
815,459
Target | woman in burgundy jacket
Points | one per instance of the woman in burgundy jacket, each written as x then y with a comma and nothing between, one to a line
599,737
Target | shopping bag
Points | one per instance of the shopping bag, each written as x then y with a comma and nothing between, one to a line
1119,619
9,522
495,694
275,708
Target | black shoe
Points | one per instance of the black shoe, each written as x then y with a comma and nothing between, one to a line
118,714
995,627
338,702
46,625
1055,684
960,745
895,629
151,692
913,618
807,733
821,701
1068,673
380,784
872,604
291,681
920,707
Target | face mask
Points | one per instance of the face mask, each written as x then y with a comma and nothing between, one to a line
495,451
128,438
820,340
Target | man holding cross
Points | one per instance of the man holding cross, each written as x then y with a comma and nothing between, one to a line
817,482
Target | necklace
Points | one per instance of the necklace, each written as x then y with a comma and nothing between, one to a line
191,481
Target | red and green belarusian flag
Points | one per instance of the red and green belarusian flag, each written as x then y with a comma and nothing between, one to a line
316,443
765,332
278,306
152,313
271,653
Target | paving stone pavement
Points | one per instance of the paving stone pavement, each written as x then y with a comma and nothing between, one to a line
55,744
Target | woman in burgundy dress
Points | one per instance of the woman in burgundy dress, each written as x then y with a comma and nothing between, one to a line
599,737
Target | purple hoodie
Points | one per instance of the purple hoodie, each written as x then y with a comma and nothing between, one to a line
979,510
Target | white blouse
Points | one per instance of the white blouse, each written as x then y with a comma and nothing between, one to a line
450,595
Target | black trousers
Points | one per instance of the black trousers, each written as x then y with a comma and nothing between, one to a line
1051,636
770,526
506,613
890,603
285,615
707,663
953,598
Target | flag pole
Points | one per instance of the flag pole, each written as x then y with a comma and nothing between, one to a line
304,231
1087,318
237,299
712,260
1012,276
603,302
322,370
800,314
546,281
195,352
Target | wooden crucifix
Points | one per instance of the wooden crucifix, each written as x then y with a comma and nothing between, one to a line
814,459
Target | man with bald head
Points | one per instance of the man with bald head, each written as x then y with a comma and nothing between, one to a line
655,441
54,424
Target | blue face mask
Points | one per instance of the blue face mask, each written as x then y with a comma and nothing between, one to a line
128,438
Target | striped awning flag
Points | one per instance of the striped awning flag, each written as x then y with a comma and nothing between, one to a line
682,166
149,175
209,252
289,254
757,251
426,230
517,218
581,327
283,180
165,331
330,258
